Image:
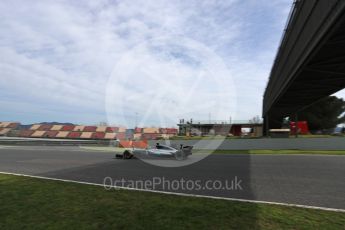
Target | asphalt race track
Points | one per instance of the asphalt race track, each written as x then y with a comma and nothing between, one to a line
313,180
335,143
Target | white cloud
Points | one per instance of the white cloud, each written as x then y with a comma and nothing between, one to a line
61,54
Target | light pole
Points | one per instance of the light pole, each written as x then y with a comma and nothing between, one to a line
136,119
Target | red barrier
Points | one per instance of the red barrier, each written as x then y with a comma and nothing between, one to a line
74,135
302,127
26,133
13,125
45,127
121,136
112,129
98,135
51,134
90,129
168,131
67,128
150,136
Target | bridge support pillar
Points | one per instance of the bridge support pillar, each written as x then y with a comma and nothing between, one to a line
272,121
296,126
265,126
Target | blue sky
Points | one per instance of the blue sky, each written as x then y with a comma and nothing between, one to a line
149,62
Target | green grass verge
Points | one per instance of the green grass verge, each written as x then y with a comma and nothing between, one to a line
319,136
274,152
249,137
205,138
29,203
293,151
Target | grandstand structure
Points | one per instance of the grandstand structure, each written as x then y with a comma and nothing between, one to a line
154,133
219,127
15,129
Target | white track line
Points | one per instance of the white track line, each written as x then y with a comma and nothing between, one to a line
181,194
5,146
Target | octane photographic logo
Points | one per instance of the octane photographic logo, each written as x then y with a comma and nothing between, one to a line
159,81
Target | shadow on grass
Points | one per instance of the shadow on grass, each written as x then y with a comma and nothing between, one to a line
214,170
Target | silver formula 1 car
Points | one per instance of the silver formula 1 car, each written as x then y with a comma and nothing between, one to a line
159,150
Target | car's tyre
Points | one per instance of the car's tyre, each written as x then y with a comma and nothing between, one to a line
118,156
180,156
127,155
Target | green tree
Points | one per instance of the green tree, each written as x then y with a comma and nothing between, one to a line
325,114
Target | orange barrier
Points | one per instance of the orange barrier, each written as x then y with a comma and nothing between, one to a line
136,144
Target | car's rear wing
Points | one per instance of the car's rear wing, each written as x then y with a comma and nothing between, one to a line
187,149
